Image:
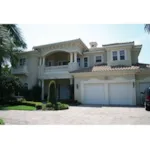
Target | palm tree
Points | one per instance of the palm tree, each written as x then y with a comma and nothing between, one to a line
11,42
147,28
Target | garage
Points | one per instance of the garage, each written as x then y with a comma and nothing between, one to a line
121,93
94,94
109,93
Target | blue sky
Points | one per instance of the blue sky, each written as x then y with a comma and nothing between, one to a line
38,34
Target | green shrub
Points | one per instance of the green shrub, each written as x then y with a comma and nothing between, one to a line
49,104
31,103
1,122
61,106
36,93
38,106
44,107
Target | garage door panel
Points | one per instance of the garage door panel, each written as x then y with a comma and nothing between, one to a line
94,94
121,93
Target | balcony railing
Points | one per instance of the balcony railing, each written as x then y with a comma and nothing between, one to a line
20,70
56,68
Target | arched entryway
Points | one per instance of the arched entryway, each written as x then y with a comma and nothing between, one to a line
52,91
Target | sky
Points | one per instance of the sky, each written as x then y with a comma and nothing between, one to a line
39,34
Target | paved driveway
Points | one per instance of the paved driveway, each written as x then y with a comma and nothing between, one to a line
79,115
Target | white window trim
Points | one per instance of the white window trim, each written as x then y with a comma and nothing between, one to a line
87,61
118,55
101,58
80,60
25,61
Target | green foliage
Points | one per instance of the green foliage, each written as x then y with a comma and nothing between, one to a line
8,85
57,106
11,42
147,28
6,70
31,103
61,106
17,107
32,94
38,106
1,122
36,93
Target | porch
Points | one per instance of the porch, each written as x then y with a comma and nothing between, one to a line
63,89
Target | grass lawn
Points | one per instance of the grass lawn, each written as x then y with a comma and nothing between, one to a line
18,107
1,122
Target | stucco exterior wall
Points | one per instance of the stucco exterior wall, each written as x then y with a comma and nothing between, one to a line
134,57
126,62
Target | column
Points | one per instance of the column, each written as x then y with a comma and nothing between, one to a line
71,57
75,56
71,81
43,61
42,96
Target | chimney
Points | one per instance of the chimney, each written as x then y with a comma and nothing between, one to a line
93,44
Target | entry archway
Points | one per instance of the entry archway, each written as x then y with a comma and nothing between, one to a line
52,91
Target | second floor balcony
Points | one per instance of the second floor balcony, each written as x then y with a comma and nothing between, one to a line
57,63
22,70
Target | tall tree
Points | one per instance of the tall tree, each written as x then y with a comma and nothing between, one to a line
147,28
11,42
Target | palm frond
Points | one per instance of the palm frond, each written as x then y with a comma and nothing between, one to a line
16,34
147,28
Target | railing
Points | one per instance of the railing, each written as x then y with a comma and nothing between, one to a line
19,70
56,68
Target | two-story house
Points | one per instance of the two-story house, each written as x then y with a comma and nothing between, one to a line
108,75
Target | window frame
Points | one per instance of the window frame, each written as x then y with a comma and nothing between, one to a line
22,61
118,55
79,62
101,59
87,61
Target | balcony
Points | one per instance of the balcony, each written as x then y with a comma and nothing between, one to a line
63,68
21,70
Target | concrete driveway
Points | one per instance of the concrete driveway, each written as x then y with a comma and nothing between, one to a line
79,115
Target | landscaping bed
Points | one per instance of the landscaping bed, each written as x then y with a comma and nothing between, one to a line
22,104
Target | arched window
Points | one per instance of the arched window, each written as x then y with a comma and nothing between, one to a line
26,85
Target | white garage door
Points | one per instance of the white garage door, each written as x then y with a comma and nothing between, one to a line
121,93
94,94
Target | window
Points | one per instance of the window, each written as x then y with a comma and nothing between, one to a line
26,85
22,61
78,60
85,61
122,55
114,54
98,59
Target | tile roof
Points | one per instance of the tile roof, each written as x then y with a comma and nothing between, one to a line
111,68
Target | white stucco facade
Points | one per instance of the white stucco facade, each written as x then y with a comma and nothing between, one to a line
73,63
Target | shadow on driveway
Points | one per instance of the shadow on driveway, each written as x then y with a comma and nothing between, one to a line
100,106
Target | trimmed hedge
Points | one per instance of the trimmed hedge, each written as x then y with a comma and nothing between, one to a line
1,122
